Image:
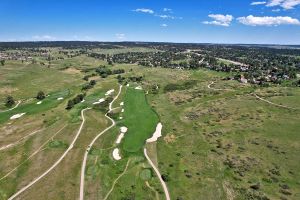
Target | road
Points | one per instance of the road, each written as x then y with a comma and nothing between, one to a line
82,177
164,185
56,163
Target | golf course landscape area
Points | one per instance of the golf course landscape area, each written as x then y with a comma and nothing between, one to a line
124,121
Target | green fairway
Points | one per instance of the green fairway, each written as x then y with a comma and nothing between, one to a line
33,107
139,118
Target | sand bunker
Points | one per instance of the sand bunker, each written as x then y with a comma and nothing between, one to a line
122,110
127,85
156,134
100,101
16,116
138,88
39,102
83,101
123,130
116,154
109,92
60,98
122,104
120,117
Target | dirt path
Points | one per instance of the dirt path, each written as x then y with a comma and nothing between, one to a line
275,104
115,182
20,140
11,108
217,89
34,153
56,163
82,177
164,185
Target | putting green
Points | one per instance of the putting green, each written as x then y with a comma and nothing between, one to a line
140,120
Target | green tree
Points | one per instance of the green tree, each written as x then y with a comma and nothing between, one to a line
40,95
2,62
9,101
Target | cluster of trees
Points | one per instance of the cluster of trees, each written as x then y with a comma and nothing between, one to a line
2,62
103,71
89,85
76,100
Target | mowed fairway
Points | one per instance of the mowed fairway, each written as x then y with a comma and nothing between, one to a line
139,118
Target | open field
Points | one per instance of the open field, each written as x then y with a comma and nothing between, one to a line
218,140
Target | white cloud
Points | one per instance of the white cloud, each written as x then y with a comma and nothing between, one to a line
166,16
255,3
219,20
120,36
276,10
43,37
144,10
164,25
268,21
286,4
167,10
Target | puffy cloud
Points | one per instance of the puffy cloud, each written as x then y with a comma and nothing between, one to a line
144,10
43,37
286,4
268,21
255,3
219,20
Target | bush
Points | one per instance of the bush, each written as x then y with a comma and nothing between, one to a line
40,95
9,101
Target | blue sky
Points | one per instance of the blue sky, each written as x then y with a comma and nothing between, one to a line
216,21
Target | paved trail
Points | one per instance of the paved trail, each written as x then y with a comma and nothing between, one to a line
82,177
164,185
56,163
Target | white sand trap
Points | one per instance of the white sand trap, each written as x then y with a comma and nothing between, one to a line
122,110
116,154
138,88
83,101
101,100
39,102
120,117
109,92
127,85
122,104
123,130
156,134
120,137
60,98
16,116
